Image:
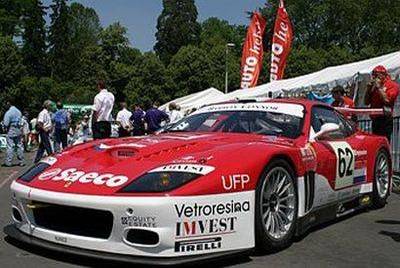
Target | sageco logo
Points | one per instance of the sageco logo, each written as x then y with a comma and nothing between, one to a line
73,175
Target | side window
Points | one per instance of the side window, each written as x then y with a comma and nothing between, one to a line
322,115
348,128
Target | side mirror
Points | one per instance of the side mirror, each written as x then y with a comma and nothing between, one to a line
325,129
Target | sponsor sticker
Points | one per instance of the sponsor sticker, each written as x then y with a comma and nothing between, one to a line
235,181
197,245
200,220
72,175
189,168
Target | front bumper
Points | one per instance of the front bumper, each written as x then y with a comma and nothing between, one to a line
180,223
14,233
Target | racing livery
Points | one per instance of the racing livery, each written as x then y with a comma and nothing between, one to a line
227,179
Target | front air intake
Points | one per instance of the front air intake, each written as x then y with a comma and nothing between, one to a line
142,237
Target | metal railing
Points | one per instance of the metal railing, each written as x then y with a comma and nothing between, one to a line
366,125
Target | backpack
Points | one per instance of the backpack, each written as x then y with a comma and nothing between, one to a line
61,119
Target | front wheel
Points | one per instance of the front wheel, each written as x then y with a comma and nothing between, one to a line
381,182
276,207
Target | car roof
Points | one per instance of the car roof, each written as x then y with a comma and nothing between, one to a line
308,104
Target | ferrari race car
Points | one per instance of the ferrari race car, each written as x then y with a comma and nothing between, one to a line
227,179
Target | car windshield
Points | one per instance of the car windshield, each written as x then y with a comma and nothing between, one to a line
277,119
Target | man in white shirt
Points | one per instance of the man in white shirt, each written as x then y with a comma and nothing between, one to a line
44,126
174,113
123,120
102,108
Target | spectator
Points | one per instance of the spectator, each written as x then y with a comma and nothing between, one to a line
83,129
33,135
174,114
61,127
12,122
340,100
44,126
137,121
123,120
102,108
25,130
382,92
154,117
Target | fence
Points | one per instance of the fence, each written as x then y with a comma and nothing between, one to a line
366,126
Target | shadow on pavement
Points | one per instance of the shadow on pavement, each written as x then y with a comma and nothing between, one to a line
393,235
92,262
388,222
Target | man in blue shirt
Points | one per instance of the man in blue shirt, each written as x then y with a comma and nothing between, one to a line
61,127
154,117
12,123
137,121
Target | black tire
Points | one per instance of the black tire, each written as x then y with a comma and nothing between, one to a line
264,242
379,201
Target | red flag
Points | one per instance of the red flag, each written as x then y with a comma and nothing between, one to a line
281,43
253,51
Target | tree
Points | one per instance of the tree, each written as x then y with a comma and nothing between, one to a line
10,13
85,26
114,40
190,69
11,70
34,37
176,27
219,32
60,40
149,81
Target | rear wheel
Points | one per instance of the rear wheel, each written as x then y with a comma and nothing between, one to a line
276,207
381,179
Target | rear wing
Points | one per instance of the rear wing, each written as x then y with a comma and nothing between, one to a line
360,111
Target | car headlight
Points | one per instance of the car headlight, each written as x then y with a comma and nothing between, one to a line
156,182
35,170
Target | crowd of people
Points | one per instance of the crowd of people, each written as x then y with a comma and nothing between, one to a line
53,130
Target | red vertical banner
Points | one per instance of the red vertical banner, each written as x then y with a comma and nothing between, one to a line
253,51
281,43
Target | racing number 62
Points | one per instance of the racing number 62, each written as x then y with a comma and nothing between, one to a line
345,168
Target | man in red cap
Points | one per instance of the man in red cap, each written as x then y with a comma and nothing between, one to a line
382,92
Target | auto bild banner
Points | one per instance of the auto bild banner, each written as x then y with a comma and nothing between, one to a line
281,43
253,51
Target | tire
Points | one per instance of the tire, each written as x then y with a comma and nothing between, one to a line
270,211
381,183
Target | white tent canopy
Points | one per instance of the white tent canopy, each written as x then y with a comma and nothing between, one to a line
323,79
195,100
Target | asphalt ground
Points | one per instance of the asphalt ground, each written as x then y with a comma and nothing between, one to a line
368,238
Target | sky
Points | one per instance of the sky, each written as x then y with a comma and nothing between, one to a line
140,16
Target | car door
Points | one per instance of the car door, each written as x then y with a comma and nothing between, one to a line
336,155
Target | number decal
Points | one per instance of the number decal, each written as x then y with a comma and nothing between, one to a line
344,164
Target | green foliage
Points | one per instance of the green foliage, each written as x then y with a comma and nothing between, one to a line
114,40
60,41
10,13
149,81
190,69
177,26
11,66
34,37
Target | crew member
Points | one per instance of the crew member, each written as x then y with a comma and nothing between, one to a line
102,108
123,118
44,126
340,100
12,122
154,117
382,92
137,121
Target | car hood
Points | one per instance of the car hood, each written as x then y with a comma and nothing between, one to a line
104,167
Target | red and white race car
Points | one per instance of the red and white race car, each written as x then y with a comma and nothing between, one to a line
226,179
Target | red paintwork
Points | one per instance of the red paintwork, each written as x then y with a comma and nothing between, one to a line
229,153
